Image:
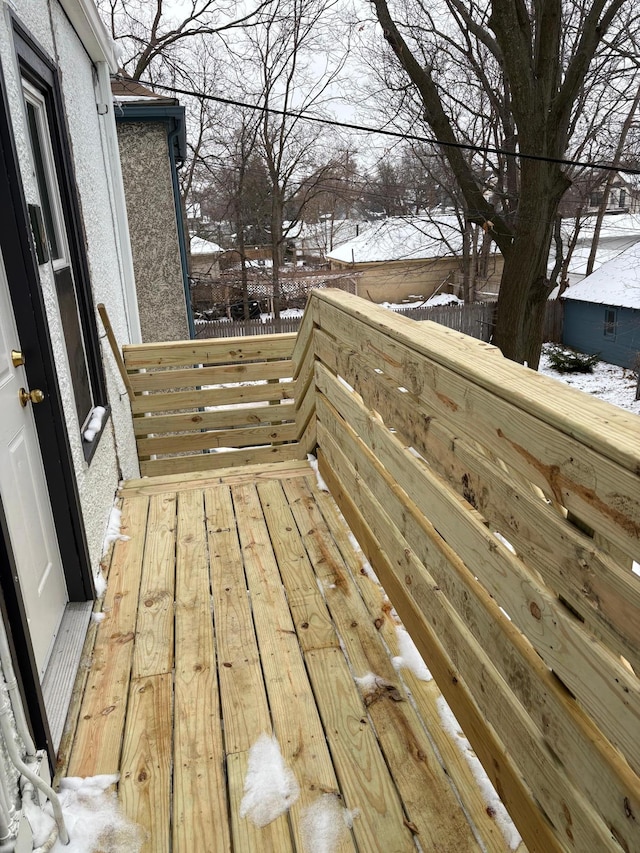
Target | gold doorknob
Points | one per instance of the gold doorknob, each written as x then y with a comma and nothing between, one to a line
17,358
35,396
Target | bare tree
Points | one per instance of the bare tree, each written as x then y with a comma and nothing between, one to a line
611,177
528,63
154,33
284,53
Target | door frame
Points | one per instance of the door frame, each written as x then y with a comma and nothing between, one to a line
31,321
14,617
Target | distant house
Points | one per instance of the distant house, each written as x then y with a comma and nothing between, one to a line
205,258
204,268
586,194
617,234
400,258
602,312
152,142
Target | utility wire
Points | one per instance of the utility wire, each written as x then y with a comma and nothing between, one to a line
360,128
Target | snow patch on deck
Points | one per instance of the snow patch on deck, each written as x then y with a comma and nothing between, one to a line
409,656
94,819
325,824
113,533
494,804
314,464
270,788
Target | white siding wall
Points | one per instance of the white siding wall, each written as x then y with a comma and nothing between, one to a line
115,456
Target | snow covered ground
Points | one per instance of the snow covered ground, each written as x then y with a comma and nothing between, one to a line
608,382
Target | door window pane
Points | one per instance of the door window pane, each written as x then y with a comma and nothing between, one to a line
43,189
74,343
46,173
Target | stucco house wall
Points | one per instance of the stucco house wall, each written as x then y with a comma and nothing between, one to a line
115,456
144,155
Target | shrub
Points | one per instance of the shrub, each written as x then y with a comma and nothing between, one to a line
566,360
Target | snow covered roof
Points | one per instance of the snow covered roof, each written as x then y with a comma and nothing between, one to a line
614,283
403,238
199,246
618,233
126,90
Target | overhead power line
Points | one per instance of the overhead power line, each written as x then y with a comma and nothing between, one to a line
411,137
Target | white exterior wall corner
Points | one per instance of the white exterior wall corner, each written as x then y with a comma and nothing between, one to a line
116,454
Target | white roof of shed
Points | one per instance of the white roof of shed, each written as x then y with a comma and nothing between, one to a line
403,238
199,246
614,283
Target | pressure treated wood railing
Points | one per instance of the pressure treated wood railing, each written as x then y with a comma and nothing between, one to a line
202,405
501,512
432,443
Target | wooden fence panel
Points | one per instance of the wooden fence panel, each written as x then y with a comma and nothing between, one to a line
534,528
476,319
452,642
553,321
237,328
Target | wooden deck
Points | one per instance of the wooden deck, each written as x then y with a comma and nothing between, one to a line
239,606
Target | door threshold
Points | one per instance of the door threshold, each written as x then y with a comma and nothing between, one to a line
60,676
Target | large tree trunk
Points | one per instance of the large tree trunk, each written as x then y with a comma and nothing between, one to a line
525,285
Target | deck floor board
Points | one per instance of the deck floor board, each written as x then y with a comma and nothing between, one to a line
239,606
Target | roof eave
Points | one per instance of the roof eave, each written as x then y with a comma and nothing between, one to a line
92,32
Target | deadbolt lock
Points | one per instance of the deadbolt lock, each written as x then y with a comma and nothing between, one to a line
35,396
17,358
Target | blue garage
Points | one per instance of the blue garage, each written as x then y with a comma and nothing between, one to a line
602,312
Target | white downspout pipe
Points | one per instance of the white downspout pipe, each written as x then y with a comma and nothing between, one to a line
14,694
12,748
7,840
28,792
105,109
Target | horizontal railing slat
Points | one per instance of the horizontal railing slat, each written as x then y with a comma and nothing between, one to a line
196,399
214,439
209,351
247,415
214,461
163,380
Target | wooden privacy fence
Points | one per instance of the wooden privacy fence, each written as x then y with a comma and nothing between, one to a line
500,510
242,328
476,319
